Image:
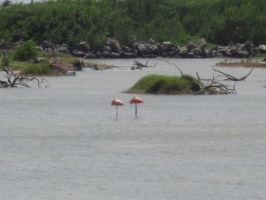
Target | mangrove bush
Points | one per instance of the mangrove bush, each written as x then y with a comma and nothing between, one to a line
178,21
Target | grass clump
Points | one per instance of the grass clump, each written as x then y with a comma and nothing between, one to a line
39,69
162,84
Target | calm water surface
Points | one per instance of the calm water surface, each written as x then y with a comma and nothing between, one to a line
64,142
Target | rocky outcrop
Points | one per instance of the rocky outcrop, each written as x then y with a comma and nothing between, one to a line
151,49
83,46
111,48
48,46
262,48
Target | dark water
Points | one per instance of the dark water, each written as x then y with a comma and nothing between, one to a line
64,142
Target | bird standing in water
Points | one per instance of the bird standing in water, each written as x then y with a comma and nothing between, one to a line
116,103
136,100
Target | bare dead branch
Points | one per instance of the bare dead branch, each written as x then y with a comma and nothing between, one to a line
213,86
229,77
139,65
176,67
14,80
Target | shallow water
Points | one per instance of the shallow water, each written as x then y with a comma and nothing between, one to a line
64,142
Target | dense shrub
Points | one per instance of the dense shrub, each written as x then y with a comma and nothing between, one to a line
71,21
26,51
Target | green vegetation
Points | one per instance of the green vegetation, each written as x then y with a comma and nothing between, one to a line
26,51
178,21
162,84
39,69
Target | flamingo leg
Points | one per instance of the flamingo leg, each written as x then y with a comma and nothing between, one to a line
136,110
116,112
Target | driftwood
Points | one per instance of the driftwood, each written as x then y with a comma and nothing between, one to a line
78,65
139,65
94,66
229,77
65,68
14,80
214,86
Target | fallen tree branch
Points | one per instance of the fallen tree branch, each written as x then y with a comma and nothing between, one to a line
14,80
176,67
139,65
229,77
63,67
213,86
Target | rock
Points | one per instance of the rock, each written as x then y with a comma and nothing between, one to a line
191,46
208,53
234,51
106,54
227,54
203,41
151,41
167,47
127,55
64,45
90,55
153,49
132,40
190,54
262,48
98,54
225,51
83,46
149,56
107,48
125,49
62,49
197,52
47,46
114,55
39,48
142,49
78,53
183,52
217,54
202,46
114,44
243,54
247,46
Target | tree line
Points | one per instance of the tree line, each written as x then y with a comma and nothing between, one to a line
178,21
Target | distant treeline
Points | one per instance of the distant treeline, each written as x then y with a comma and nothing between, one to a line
178,21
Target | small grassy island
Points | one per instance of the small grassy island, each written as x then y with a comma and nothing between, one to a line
163,84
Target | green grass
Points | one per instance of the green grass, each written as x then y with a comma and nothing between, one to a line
39,69
162,84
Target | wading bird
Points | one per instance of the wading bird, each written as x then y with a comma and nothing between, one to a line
117,102
136,100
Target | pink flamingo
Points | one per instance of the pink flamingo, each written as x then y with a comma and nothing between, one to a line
136,100
117,102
